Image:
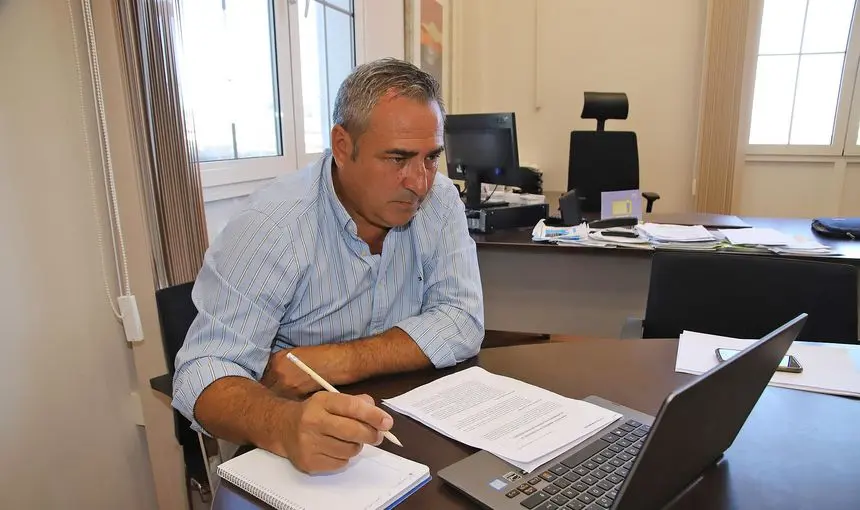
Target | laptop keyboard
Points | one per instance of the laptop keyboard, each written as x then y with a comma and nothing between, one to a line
590,478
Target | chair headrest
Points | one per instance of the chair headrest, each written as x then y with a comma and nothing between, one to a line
605,105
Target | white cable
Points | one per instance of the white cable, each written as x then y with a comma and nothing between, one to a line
89,152
100,108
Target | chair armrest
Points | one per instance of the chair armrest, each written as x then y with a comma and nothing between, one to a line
650,197
632,328
162,384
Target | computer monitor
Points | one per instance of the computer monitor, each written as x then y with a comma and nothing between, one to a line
482,147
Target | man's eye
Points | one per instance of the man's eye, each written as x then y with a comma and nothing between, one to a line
433,161
398,161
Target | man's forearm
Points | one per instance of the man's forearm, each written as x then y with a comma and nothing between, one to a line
243,411
390,352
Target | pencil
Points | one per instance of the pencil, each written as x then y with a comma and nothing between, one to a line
322,382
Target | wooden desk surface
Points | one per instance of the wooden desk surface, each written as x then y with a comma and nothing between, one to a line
797,450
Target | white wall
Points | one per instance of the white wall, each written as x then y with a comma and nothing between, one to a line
67,436
652,50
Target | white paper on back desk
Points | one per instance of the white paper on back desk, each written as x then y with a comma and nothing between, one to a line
374,479
520,423
827,368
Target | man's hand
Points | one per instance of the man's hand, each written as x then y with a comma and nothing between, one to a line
326,430
286,379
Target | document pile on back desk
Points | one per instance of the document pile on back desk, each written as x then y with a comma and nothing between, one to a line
656,236
522,424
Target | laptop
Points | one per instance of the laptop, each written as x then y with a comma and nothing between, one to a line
639,462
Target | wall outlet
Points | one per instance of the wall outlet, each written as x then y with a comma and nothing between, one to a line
135,409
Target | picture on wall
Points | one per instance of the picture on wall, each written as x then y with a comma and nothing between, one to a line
427,38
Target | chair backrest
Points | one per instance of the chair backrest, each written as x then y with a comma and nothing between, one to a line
746,296
602,161
176,312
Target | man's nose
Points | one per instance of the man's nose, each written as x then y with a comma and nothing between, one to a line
415,178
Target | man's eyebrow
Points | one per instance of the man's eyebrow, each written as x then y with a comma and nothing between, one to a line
403,153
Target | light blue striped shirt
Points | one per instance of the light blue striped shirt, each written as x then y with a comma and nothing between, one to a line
290,270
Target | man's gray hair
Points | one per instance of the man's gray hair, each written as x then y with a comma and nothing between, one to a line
369,82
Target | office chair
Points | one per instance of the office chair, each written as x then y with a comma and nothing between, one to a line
746,296
176,312
604,160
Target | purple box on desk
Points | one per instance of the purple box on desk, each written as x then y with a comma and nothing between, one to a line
621,203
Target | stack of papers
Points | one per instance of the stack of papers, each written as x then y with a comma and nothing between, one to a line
684,237
569,236
775,241
805,248
522,424
827,368
756,236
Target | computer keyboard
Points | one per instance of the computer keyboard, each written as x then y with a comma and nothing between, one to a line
590,478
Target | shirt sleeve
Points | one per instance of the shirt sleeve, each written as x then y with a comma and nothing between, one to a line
248,276
450,327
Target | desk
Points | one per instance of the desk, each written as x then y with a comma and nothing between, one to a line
792,453
546,288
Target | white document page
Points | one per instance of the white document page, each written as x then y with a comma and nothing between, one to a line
756,236
523,424
827,368
675,233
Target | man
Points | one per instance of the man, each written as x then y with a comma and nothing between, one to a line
360,265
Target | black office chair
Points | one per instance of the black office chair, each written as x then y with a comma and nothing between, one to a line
747,296
176,312
604,160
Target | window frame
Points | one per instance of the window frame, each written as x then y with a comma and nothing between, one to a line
847,115
237,177
303,157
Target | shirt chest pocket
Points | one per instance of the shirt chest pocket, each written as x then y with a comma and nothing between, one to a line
410,295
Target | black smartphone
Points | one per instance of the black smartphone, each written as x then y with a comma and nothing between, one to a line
788,364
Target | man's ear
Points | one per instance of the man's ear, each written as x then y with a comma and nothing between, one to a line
342,145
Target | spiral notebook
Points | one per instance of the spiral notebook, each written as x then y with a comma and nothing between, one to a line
374,479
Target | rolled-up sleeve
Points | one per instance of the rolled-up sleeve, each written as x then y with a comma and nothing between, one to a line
450,327
248,275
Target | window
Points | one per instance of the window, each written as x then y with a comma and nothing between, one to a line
259,79
327,35
805,77
229,78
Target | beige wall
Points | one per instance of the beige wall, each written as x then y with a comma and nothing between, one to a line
650,50
809,188
68,437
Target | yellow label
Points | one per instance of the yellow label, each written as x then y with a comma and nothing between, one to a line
622,207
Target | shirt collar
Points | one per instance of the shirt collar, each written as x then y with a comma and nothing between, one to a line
344,220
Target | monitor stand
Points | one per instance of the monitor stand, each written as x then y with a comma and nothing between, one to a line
473,193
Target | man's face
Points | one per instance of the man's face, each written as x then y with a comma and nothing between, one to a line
396,163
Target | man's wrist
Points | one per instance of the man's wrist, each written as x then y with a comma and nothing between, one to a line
347,366
271,432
